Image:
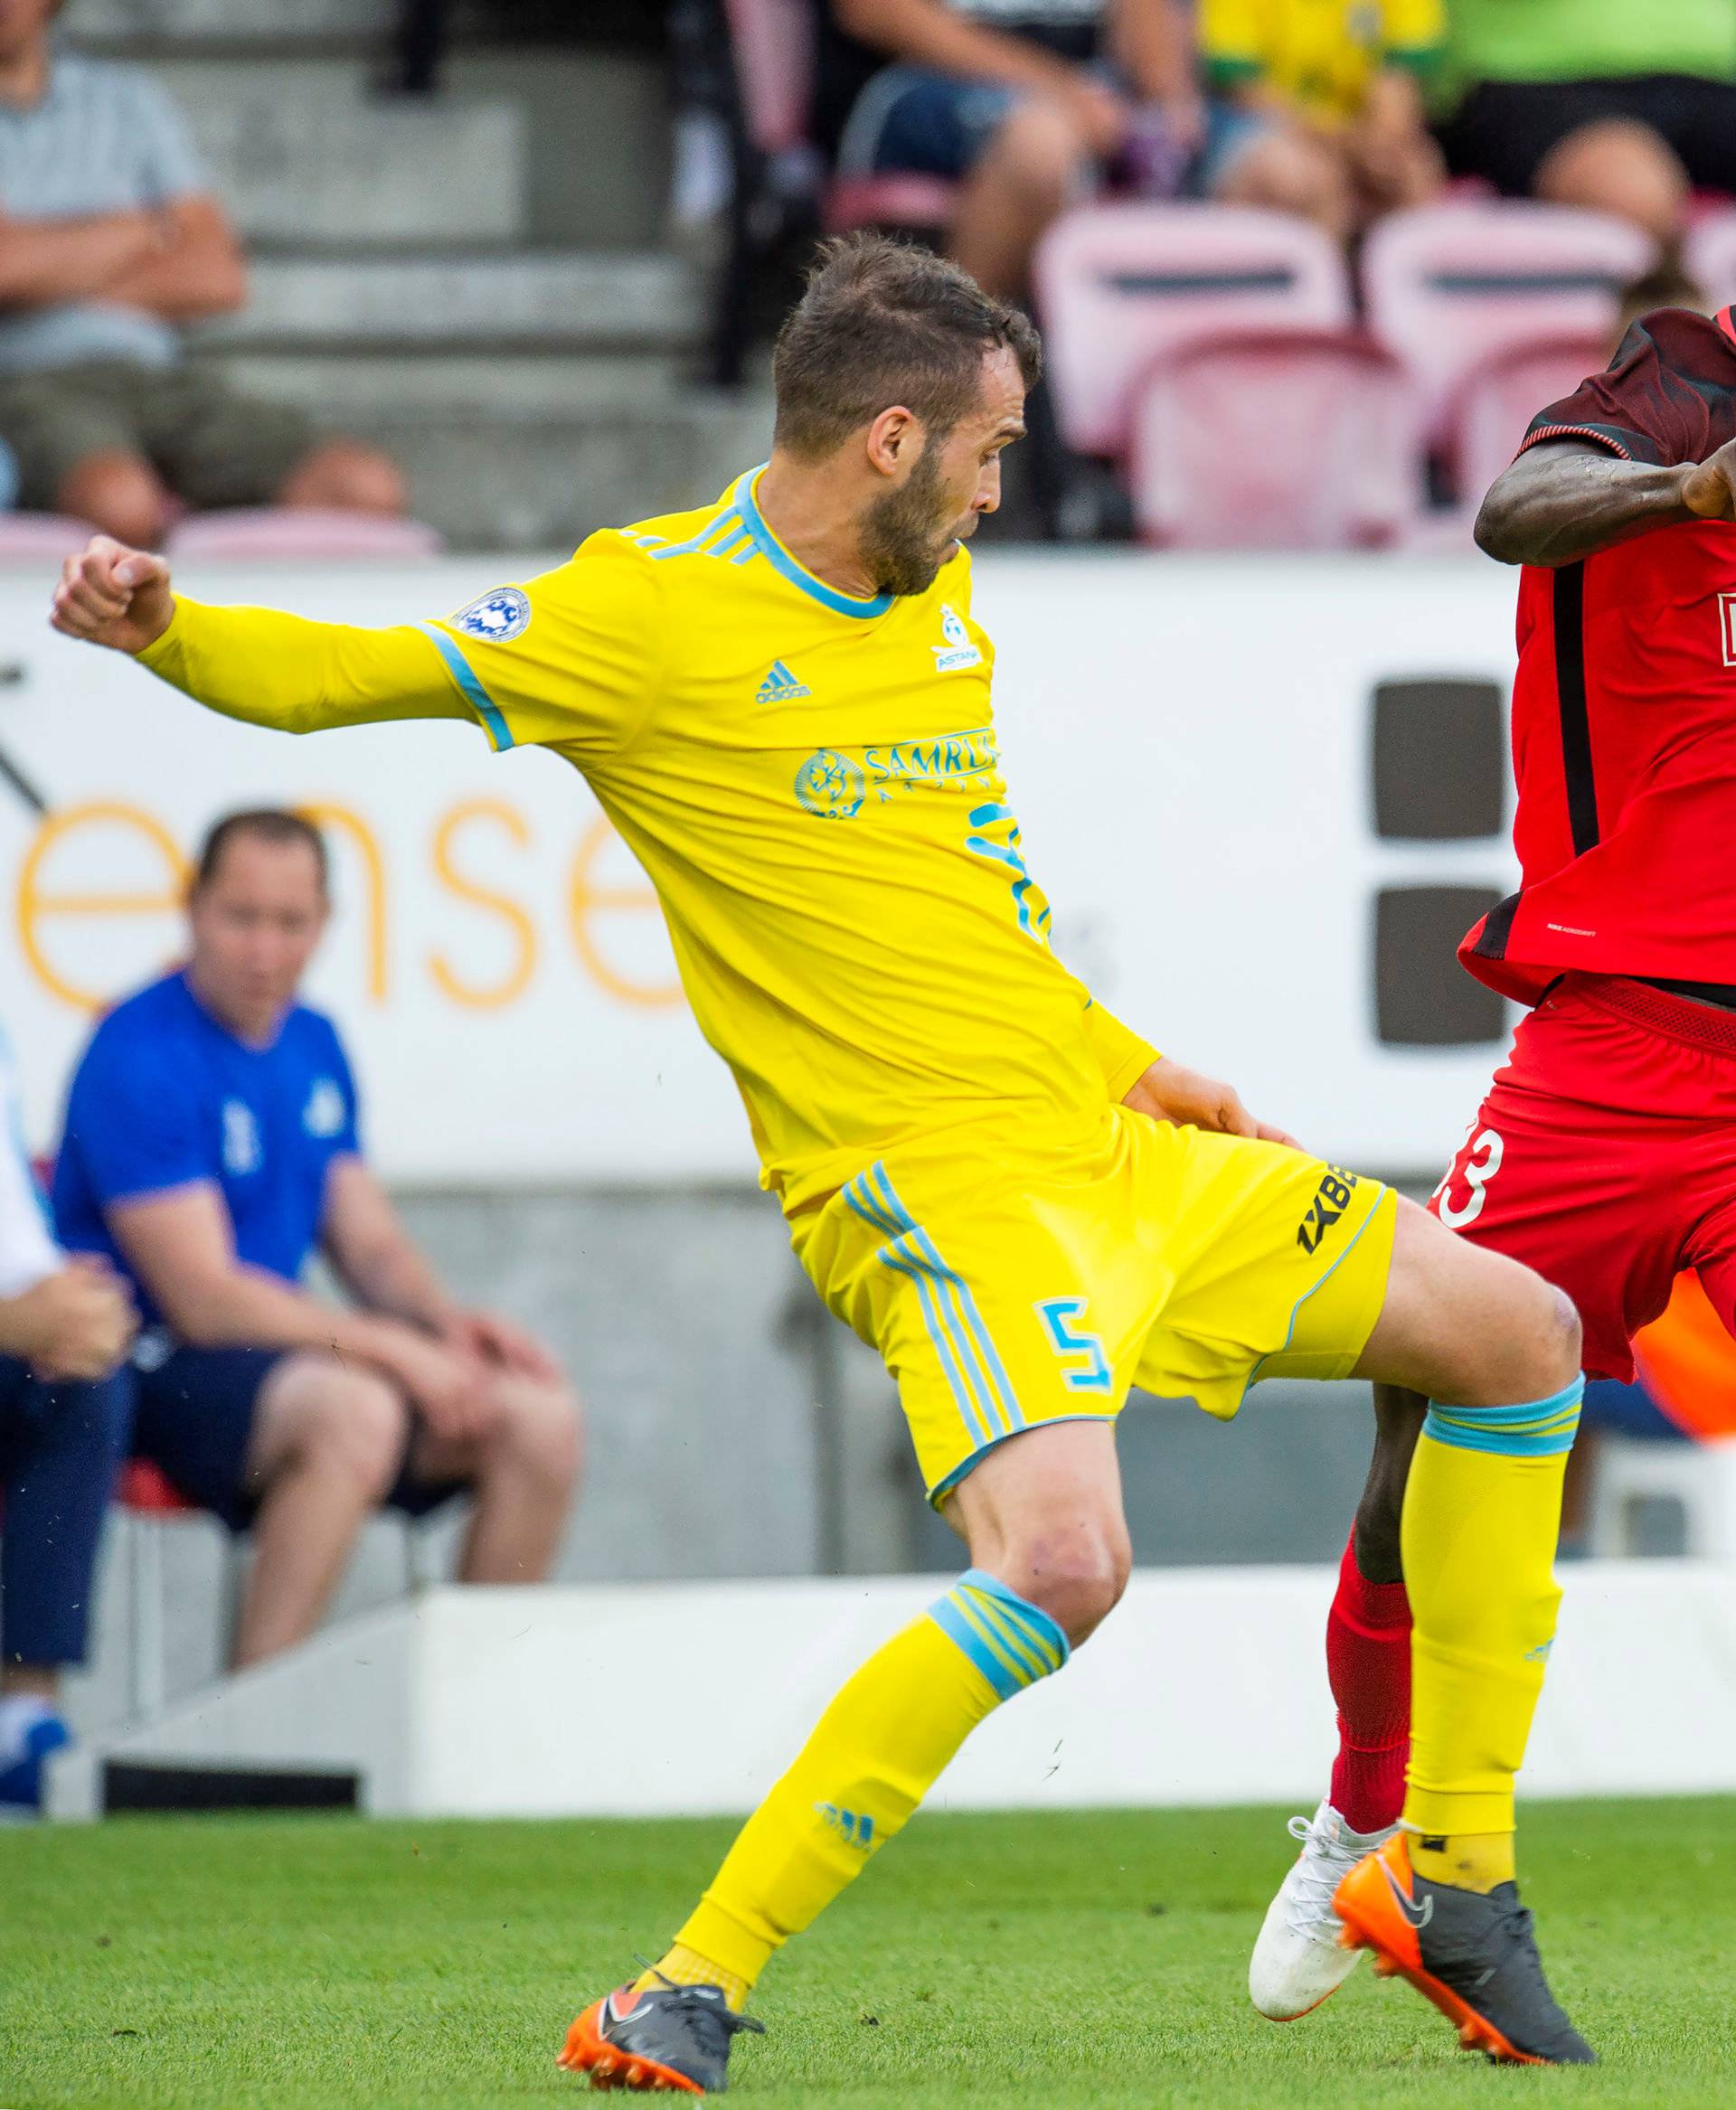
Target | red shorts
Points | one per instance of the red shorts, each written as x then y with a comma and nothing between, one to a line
1605,1156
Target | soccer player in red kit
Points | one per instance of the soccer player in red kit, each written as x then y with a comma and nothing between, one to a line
1604,1155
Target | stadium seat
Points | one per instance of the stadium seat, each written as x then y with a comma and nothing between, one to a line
271,532
1499,397
1710,255
1213,469
1120,285
38,538
1450,287
1699,1477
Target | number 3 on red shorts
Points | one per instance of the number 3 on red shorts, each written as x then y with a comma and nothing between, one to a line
1482,1161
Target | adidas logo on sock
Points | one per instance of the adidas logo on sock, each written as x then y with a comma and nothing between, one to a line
780,686
856,1830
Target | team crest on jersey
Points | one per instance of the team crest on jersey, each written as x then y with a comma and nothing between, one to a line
1727,625
831,785
323,1114
497,616
957,651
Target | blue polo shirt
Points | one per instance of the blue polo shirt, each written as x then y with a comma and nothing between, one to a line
167,1097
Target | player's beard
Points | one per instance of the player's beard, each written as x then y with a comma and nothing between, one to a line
905,535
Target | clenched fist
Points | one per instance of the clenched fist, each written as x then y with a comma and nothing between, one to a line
113,595
1709,488
73,1325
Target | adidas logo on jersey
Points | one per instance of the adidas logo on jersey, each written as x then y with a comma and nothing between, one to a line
780,686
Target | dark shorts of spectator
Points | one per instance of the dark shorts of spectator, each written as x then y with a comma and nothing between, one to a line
1505,130
211,445
194,1420
908,121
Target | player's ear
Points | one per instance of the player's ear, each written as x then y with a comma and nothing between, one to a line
893,437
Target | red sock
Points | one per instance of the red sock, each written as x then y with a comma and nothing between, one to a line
1368,1661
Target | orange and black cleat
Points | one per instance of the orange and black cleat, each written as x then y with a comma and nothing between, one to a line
1474,1956
673,2037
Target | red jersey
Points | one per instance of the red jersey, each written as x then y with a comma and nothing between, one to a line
1624,705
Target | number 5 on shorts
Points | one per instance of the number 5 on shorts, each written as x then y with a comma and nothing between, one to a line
1482,1163
1058,1314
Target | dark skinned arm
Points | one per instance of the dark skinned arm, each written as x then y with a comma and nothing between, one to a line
1567,499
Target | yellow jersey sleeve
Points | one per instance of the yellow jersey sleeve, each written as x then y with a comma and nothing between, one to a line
1413,31
1121,1054
267,668
1232,47
569,659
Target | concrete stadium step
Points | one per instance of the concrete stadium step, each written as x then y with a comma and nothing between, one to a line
111,22
302,152
508,388
545,486
543,300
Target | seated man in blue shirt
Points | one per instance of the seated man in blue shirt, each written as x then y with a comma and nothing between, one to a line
65,1409
211,1148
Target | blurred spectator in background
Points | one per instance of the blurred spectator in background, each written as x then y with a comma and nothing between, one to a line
110,240
65,1411
1618,105
1347,76
211,1148
1025,103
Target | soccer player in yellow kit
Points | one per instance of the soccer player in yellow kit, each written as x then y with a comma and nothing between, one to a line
782,701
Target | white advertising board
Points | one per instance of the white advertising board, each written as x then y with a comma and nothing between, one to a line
1188,747
1208,1686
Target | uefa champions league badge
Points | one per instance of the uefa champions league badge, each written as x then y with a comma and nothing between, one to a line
497,618
957,651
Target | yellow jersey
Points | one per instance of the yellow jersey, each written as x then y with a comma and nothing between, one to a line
1319,55
813,784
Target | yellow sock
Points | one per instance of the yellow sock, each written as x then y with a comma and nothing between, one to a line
1482,1513
681,1966
873,1754
1470,1861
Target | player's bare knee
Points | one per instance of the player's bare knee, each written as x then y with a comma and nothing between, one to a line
1075,1573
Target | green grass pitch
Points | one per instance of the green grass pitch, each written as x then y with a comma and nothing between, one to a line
1076,1961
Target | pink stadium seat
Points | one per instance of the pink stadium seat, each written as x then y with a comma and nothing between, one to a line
1710,255
271,532
41,538
1120,285
1499,399
1448,287
1214,468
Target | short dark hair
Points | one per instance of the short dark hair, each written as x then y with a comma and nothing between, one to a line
265,823
885,322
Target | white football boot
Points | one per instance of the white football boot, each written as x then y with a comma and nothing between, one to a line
1297,1962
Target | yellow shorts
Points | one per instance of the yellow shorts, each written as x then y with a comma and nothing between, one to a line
1005,1294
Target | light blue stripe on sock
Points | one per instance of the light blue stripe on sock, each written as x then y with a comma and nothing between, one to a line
1042,1647
1539,1428
1042,1625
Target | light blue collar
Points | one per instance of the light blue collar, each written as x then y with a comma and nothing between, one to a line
782,562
